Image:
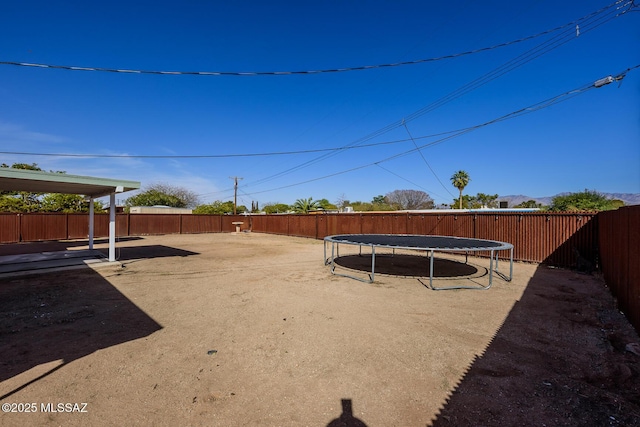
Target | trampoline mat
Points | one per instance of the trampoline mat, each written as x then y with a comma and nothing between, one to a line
416,241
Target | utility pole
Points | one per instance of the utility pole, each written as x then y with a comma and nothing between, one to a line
235,193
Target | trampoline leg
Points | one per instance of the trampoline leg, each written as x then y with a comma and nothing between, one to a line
431,270
491,268
326,261
333,257
373,262
511,266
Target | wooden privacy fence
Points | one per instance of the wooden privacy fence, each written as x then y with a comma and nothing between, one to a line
619,241
540,238
537,237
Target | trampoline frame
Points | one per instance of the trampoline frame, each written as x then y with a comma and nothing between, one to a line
336,241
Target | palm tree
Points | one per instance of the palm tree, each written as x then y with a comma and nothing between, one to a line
460,180
305,205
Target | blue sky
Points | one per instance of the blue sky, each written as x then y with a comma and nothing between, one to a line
591,140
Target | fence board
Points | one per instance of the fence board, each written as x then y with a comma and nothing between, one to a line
276,224
376,223
632,258
43,226
192,224
619,249
350,223
9,228
149,224
302,225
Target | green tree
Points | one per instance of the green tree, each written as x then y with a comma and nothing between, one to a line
68,203
460,180
273,208
466,202
155,198
164,195
305,205
379,200
529,204
219,208
15,204
326,204
20,201
487,200
27,166
584,201
359,206
616,203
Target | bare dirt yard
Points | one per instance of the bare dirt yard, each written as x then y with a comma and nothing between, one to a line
252,330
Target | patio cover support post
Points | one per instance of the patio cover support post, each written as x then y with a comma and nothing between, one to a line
91,223
112,227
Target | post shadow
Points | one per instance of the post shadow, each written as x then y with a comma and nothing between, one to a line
346,419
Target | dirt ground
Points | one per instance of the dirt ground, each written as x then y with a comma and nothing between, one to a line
253,330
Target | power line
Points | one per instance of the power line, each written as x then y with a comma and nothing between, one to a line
629,4
201,156
587,23
451,134
408,180
425,159
530,109
284,73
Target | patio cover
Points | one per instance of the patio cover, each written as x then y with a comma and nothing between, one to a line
48,182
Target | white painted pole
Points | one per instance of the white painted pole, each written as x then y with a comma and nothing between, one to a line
112,227
90,223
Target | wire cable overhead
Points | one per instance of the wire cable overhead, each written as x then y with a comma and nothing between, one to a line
588,23
526,110
574,26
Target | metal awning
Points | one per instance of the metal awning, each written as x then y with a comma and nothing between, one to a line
51,182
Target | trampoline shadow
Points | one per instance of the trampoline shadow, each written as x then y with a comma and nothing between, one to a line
406,265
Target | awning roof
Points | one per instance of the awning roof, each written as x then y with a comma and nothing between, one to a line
47,182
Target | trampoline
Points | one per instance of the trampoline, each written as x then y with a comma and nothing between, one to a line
428,244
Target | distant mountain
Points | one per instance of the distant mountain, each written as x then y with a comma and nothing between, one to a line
627,198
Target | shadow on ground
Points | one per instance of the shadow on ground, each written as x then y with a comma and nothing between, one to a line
54,245
47,321
559,359
146,252
408,265
346,418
